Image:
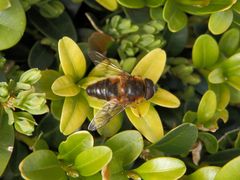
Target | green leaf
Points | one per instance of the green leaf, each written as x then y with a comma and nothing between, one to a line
213,6
42,164
209,141
205,51
24,123
150,125
161,168
74,145
4,4
74,113
204,173
154,3
151,65
56,108
109,5
156,13
91,161
132,4
229,42
219,22
175,18
164,98
72,59
216,76
230,170
12,25
65,86
6,141
179,140
140,109
45,83
126,146
53,27
40,56
207,107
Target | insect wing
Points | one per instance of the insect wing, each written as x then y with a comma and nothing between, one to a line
103,116
99,58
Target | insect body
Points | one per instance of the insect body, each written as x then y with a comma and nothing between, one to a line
119,91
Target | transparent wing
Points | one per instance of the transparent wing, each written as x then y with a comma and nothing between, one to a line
99,58
103,116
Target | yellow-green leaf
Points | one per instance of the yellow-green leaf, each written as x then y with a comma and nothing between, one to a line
164,98
74,113
151,65
72,59
140,109
150,125
84,83
204,173
64,86
109,5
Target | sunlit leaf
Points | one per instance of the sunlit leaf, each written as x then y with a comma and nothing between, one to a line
110,5
151,65
12,25
4,4
91,161
72,59
164,98
140,109
204,173
150,125
161,168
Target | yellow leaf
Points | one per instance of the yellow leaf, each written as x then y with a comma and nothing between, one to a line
140,109
110,5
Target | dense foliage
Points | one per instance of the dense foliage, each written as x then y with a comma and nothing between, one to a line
189,129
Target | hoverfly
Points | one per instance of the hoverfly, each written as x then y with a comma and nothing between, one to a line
119,91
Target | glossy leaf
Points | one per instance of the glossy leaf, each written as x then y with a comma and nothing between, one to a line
126,146
132,4
179,140
213,6
72,59
176,19
42,164
205,52
230,170
40,57
65,86
6,142
209,141
229,42
219,22
74,145
161,168
4,4
91,161
204,173
150,125
164,98
216,76
56,108
109,5
207,107
151,65
45,83
12,25
140,109
53,27
75,110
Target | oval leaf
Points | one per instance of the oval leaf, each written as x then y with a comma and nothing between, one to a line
205,173
72,59
140,109
162,168
150,125
151,65
74,145
230,170
126,146
74,113
179,140
132,4
164,98
91,161
209,141
12,25
6,142
42,164
207,107
109,5
219,22
65,86
205,51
